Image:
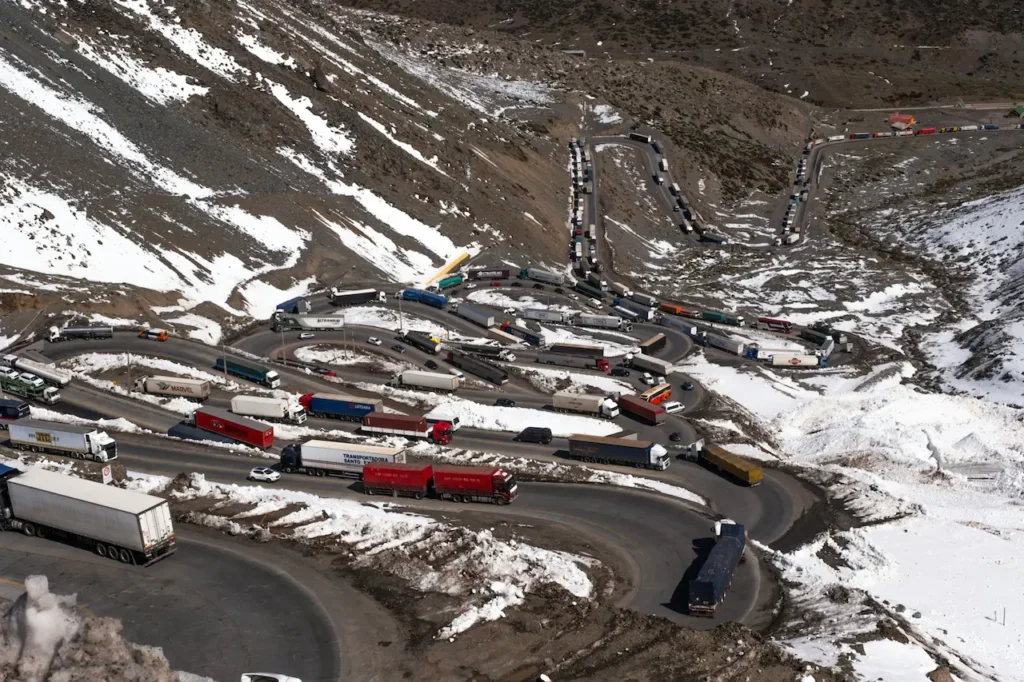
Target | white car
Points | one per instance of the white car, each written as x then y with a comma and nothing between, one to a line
673,407
594,303
471,285
8,373
647,379
374,340
574,297
306,335
268,677
457,373
264,474
31,379
510,311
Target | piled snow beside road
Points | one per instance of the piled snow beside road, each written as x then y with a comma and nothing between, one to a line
548,380
340,357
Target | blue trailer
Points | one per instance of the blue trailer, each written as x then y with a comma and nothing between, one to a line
337,406
294,306
13,409
250,371
435,300
523,333
707,590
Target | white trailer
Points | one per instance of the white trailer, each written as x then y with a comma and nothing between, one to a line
308,323
602,322
794,360
324,457
545,315
435,381
194,389
78,442
586,404
545,276
663,165
124,525
57,334
728,345
442,414
271,409
645,299
651,364
620,289
48,373
474,314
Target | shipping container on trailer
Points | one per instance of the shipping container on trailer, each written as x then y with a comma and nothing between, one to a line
884,134
641,409
528,335
679,324
450,281
55,438
405,425
563,360
249,370
242,429
339,297
653,344
860,136
727,462
673,309
269,408
723,318
408,480
990,126
651,364
324,458
481,368
474,314
734,346
546,315
600,405
475,484
925,131
708,588
339,406
628,451
577,349
794,360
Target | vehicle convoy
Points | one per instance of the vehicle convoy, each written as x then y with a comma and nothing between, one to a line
57,334
269,408
531,337
542,315
77,442
341,297
603,322
708,589
641,409
481,368
307,323
434,381
425,342
13,384
48,373
638,453
563,360
408,426
653,344
13,409
542,275
474,314
586,404
726,462
295,306
649,363
338,406
193,389
123,525
326,458
455,483
644,312
241,429
425,297
249,370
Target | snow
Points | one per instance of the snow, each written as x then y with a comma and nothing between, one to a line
96,363
267,54
119,424
338,357
546,380
331,140
399,265
757,389
894,662
501,300
606,114
158,84
404,146
262,298
96,318
657,248
552,335
6,341
205,329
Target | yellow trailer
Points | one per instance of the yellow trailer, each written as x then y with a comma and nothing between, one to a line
723,460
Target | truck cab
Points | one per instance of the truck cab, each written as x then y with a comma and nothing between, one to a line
101,445
53,335
272,379
610,409
441,433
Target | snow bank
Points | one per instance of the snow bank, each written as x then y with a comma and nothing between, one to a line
205,329
547,380
338,357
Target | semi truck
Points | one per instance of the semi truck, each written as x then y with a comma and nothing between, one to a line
425,297
307,323
583,362
15,385
597,281
434,381
294,306
588,290
603,322
627,314
481,368
454,483
338,406
340,297
733,346
646,313
644,299
123,525
154,334
577,349
627,451
653,344
271,409
542,275
77,442
186,432
408,426
501,337
599,405
474,314
48,373
646,139
56,334
448,282
642,410
531,337
620,289
726,462
425,342
546,315
680,324
236,427
13,409
443,414
649,363
708,588
327,458
489,351
722,318
794,360
485,273
193,389
249,370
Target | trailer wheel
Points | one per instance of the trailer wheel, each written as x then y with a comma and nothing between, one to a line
417,496
28,529
320,472
126,557
309,472
369,491
456,498
101,549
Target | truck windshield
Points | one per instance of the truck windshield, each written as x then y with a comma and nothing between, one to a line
507,484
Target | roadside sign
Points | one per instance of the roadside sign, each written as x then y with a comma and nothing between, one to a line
107,476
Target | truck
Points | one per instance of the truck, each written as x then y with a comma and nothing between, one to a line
454,483
326,458
603,322
425,297
651,364
434,381
154,334
340,297
583,362
241,429
271,409
488,351
294,306
708,588
56,334
15,385
425,342
628,451
481,368
542,275
47,372
597,281
338,406
646,139
13,409
588,290
644,299
626,314
186,432
733,346
443,414
642,311
486,273
474,314
722,318
77,442
248,370
599,405
448,282
678,324
193,389
500,336
123,525
794,360
620,289
642,410
653,344
728,463
577,349
531,337
546,315
408,426
282,322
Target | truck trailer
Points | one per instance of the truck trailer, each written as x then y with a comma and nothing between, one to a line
555,316
585,404
16,386
643,312
653,344
56,334
542,275
531,337
241,429
642,410
474,314
577,349
726,462
488,273
193,389
433,381
644,299
481,368
13,409
649,363
408,426
708,588
249,370
794,360
603,322
123,525
423,341
77,442
339,297
47,372
424,297
338,406
733,346
307,323
583,362
638,453
327,458
294,306
271,409
455,483
488,351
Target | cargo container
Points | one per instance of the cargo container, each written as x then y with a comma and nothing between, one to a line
588,290
653,344
925,131
674,188
644,299
673,309
583,362
585,404
407,426
708,588
642,311
16,386
836,138
56,334
726,462
154,334
627,314
474,314
531,337
679,324
423,341
77,442
723,318
578,251
425,297
638,453
47,372
186,432
685,225
123,525
295,306
449,282
546,315
434,381
541,275
193,389
577,349
650,364
641,410
620,289
480,368
13,409
338,406
326,458
602,322
269,408
500,336
656,146
794,360
408,480
990,126
242,429
340,297
249,370
734,346
663,165
497,273
475,484
792,238
282,322
860,136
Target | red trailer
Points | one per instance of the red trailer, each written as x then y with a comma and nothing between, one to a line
641,409
475,484
925,131
411,480
407,425
242,429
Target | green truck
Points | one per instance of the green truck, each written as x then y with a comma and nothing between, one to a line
11,383
450,281
722,318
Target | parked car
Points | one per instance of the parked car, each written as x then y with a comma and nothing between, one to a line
430,364
619,372
398,348
673,407
306,335
471,285
505,402
517,284
687,385
534,434
374,340
264,474
538,285
495,284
